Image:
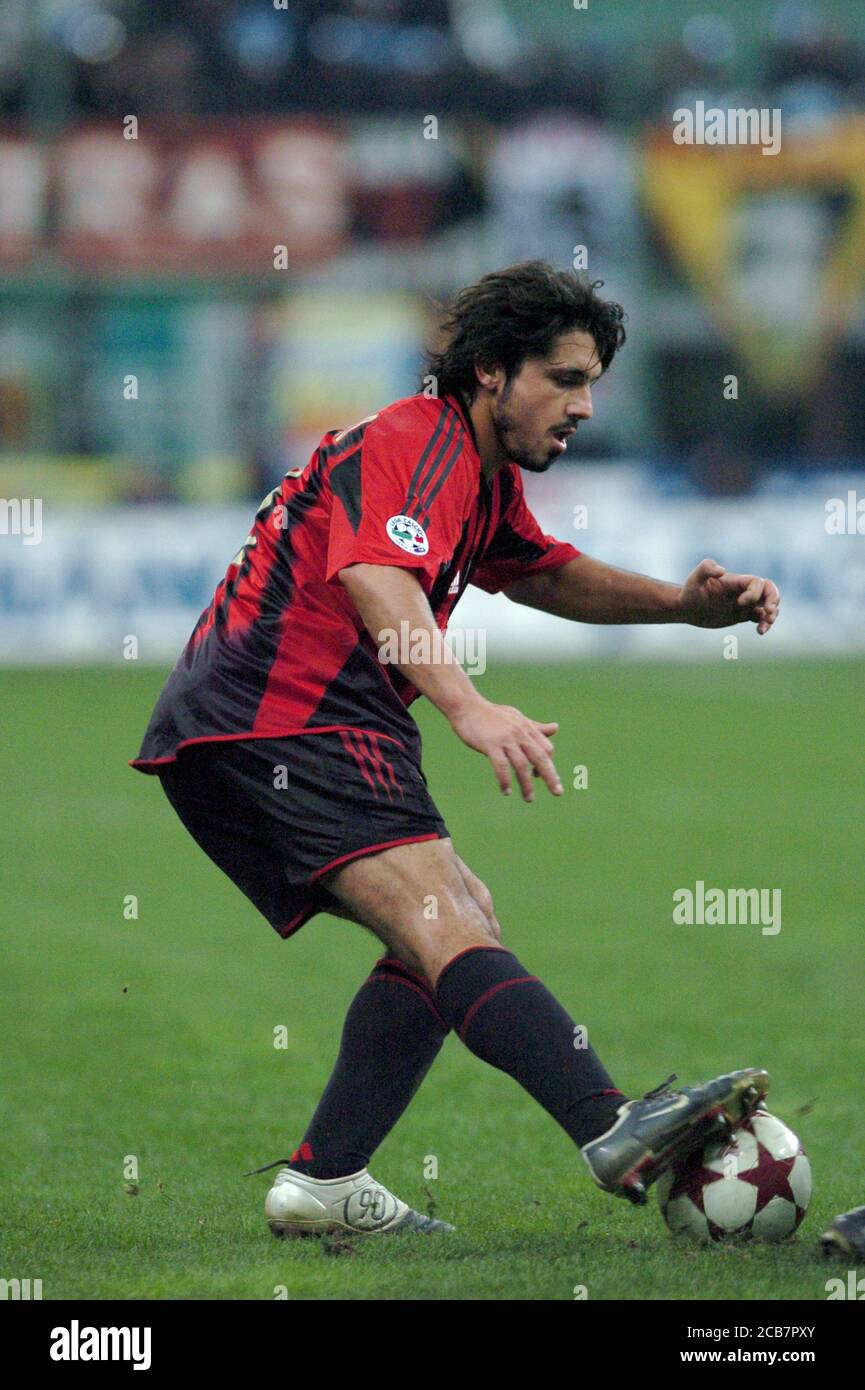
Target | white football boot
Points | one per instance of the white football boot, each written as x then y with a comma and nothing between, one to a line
300,1206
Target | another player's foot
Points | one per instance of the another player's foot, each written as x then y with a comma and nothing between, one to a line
649,1135
358,1205
846,1235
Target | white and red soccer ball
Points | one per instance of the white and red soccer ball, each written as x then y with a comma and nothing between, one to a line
755,1183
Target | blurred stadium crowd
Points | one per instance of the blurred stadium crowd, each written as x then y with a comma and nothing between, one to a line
188,300
484,57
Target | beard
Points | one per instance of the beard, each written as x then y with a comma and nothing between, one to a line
507,433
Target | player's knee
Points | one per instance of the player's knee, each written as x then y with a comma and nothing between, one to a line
484,899
458,928
480,922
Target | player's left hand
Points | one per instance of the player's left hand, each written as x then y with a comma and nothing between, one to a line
713,597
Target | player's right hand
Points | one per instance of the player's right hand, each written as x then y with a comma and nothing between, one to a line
512,742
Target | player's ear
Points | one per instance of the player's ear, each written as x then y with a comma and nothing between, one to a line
490,375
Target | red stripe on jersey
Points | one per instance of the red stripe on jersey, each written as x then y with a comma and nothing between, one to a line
448,451
281,648
436,441
146,763
436,483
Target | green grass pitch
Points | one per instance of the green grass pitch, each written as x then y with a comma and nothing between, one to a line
154,1037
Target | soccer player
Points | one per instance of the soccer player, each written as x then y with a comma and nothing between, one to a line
284,742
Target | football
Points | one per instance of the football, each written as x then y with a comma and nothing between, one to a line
753,1184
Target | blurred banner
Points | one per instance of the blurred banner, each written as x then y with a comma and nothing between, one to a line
130,582
334,356
209,196
775,243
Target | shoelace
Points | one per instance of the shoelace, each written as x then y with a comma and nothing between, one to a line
662,1090
252,1172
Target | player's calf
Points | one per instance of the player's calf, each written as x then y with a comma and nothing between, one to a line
417,900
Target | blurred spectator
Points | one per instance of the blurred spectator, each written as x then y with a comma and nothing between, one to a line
813,71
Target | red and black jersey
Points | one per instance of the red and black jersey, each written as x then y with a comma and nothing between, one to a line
281,649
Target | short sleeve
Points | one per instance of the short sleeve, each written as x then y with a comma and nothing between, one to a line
403,496
518,547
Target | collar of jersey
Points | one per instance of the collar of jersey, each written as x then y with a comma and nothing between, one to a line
462,411
456,401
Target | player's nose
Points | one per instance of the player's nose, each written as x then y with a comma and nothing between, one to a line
580,405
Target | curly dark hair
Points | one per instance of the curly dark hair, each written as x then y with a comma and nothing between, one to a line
516,313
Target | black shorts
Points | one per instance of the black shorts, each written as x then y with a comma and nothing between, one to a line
276,814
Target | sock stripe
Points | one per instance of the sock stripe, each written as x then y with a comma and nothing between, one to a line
528,1035
409,984
459,955
396,964
485,998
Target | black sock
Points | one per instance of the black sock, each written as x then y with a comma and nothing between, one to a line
509,1018
392,1035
